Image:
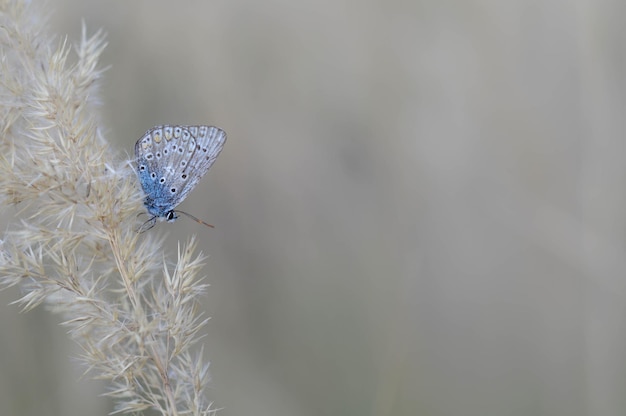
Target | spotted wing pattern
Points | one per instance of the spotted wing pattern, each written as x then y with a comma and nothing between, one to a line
172,159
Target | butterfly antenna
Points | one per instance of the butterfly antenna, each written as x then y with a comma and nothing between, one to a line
195,219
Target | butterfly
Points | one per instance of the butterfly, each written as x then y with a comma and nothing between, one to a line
170,160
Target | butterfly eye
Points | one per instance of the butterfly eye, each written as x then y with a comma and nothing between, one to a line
149,156
153,175
142,168
173,190
162,180
183,163
184,176
164,151
158,155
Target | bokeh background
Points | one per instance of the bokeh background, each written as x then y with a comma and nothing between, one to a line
419,211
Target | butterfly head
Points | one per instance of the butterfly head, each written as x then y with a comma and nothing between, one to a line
171,216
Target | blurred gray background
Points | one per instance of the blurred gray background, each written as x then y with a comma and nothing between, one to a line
419,211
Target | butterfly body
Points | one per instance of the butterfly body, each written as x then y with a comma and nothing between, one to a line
170,162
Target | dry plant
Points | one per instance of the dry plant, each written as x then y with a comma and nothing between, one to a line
72,244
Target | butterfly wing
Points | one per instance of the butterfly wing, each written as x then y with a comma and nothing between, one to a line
209,143
172,159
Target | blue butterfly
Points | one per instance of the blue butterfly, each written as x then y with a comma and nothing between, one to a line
170,162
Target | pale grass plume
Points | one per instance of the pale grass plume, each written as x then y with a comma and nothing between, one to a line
72,243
